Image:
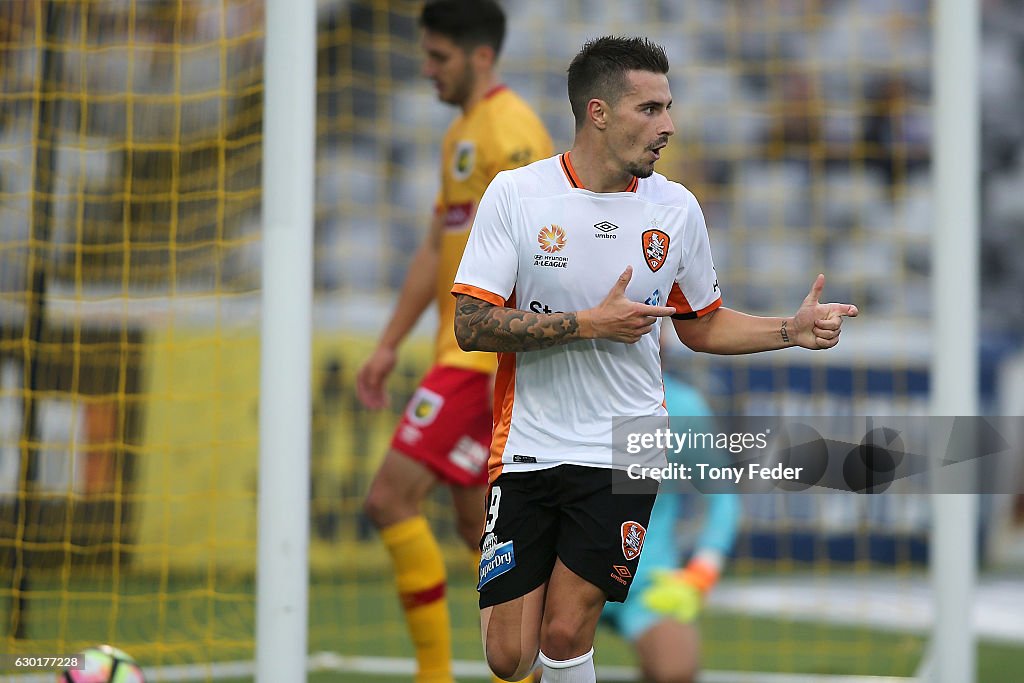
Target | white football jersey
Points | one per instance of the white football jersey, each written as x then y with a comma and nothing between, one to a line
541,242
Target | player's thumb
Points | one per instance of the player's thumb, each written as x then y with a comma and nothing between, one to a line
815,294
619,288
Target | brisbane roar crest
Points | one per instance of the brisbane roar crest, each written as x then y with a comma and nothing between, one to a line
632,539
655,248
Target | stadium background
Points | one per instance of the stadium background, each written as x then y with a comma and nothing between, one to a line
130,135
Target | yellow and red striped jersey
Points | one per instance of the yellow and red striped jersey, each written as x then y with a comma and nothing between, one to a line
498,133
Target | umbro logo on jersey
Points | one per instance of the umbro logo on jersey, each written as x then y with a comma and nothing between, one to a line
655,243
605,227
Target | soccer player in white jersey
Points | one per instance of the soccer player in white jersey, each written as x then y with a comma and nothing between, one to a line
572,262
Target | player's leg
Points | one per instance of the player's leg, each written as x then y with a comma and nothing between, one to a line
469,520
666,648
428,447
517,556
669,652
470,506
602,526
397,490
511,635
393,505
571,612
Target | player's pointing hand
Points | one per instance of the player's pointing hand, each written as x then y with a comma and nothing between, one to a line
817,325
621,319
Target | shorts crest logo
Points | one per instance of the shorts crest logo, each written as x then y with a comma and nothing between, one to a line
632,539
551,238
424,406
655,248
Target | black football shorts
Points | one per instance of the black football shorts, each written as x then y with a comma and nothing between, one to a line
578,514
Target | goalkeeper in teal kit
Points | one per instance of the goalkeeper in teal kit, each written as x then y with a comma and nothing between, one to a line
658,617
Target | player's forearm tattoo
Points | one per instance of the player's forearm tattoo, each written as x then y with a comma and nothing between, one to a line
480,326
785,334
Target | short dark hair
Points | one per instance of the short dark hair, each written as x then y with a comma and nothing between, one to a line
468,23
599,69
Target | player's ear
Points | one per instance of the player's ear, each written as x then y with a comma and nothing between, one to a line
483,57
597,112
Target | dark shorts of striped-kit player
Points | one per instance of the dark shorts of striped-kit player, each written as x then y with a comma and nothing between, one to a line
575,513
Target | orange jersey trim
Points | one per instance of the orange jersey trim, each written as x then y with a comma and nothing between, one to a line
477,293
574,179
684,311
504,399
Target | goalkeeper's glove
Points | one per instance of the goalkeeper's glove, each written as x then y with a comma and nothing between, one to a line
680,594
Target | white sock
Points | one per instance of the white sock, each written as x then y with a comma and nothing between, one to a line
576,670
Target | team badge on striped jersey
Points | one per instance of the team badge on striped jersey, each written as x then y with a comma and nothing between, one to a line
464,159
655,248
632,539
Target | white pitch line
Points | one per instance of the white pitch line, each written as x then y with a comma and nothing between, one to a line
380,666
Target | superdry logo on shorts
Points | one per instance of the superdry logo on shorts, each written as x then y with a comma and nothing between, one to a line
632,539
495,560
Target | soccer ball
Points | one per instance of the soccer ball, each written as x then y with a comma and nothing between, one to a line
104,664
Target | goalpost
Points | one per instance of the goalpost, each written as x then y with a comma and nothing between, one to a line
954,366
285,396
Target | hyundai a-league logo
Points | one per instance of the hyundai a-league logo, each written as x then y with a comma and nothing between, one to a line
551,238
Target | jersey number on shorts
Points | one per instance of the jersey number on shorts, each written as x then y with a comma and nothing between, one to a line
492,510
